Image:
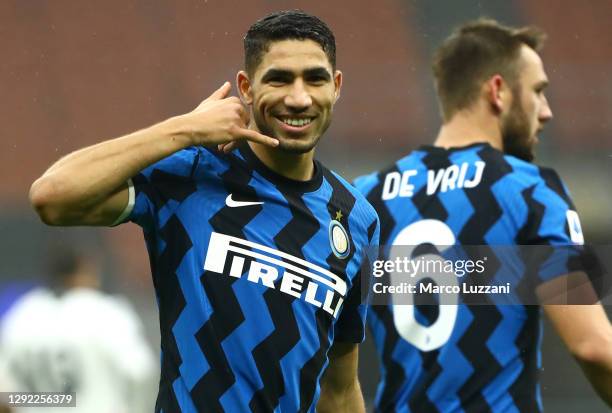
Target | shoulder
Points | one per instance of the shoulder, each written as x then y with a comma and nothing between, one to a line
28,310
362,215
35,301
170,178
361,204
529,178
181,163
538,196
110,311
371,185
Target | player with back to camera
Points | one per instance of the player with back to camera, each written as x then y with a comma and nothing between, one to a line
490,82
70,337
255,247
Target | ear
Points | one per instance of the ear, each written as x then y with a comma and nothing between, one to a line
498,93
337,85
243,84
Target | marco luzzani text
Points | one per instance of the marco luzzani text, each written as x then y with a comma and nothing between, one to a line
431,275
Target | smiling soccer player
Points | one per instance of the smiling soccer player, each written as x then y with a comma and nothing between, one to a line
255,247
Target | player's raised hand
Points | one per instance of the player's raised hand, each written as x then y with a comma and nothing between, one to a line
221,119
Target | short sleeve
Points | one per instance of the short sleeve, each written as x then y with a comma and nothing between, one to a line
350,326
160,186
552,232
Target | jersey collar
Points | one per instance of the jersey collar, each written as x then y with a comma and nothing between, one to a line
287,184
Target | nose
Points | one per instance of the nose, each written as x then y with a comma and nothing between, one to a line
545,111
298,97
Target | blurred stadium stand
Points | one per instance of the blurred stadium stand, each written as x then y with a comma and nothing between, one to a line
73,73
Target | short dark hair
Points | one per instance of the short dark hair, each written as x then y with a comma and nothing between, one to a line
286,25
62,263
473,53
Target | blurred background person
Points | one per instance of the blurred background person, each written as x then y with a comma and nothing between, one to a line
70,337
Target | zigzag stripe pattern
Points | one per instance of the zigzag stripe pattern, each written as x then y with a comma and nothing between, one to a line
171,304
429,208
387,222
395,373
343,200
159,188
473,343
268,354
526,341
500,347
227,316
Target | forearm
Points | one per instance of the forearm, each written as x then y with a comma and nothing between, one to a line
346,400
600,376
587,333
85,178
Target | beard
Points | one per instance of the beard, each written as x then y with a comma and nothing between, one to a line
293,145
516,132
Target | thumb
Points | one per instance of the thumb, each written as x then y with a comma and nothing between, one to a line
218,94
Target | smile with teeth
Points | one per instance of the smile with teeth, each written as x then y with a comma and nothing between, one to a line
296,121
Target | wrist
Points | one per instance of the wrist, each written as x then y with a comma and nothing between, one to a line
176,130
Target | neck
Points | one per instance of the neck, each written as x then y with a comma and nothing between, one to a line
82,280
296,166
468,127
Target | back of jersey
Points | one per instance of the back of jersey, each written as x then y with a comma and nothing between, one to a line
81,342
476,358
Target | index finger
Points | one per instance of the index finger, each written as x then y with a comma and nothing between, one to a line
255,136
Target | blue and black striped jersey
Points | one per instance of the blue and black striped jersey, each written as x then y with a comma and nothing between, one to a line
256,276
489,358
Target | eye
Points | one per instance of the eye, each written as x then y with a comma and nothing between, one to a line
277,81
539,89
317,80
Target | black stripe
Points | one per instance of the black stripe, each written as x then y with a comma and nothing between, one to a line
473,345
171,186
524,388
162,186
374,197
171,303
528,233
285,335
371,231
532,257
553,181
196,162
227,315
487,211
395,375
429,207
341,199
309,373
422,403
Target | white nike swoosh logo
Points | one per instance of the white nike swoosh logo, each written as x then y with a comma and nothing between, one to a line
235,204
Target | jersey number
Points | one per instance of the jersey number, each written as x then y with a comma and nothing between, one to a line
54,370
425,338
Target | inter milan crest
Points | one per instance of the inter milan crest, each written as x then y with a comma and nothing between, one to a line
338,238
